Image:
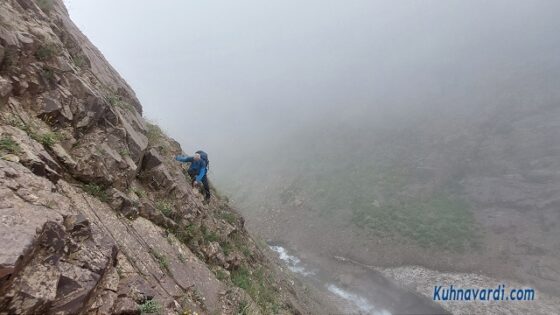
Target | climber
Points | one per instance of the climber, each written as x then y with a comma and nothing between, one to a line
198,170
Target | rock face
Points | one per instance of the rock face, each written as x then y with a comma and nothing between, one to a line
51,258
94,218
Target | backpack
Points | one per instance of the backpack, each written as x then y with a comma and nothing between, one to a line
204,157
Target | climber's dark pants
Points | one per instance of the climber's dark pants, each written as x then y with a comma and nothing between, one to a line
205,184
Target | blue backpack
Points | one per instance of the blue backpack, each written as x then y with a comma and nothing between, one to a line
204,157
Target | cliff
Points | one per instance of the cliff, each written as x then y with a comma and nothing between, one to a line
95,215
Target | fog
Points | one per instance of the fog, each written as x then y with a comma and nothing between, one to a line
391,132
229,76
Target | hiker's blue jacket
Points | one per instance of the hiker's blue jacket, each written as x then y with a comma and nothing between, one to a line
197,167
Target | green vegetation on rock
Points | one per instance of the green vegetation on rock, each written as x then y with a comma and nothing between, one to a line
440,221
208,235
243,308
165,207
256,284
96,191
117,101
154,134
48,139
8,145
161,259
46,51
150,307
228,216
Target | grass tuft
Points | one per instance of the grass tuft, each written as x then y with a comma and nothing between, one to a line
138,192
208,235
96,190
165,207
154,134
117,101
228,216
243,308
48,139
257,285
47,74
161,259
80,61
46,52
9,145
241,278
124,152
221,275
150,307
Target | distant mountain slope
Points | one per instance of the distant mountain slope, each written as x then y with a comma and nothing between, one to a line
478,179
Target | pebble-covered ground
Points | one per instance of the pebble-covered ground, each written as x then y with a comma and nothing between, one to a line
423,281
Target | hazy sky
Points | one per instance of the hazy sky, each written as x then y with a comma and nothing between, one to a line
219,74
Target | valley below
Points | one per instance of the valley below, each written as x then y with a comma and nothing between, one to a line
362,274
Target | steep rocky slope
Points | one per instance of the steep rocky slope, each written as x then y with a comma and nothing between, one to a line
95,216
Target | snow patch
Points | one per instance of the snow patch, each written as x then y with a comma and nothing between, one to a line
360,302
293,263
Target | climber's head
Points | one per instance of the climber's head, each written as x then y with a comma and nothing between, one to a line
197,157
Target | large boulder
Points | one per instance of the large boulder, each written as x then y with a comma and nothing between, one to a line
62,155
158,178
90,111
34,291
214,254
152,159
23,211
32,154
99,159
135,129
124,204
52,109
58,278
78,226
137,289
51,258
126,306
19,223
148,210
